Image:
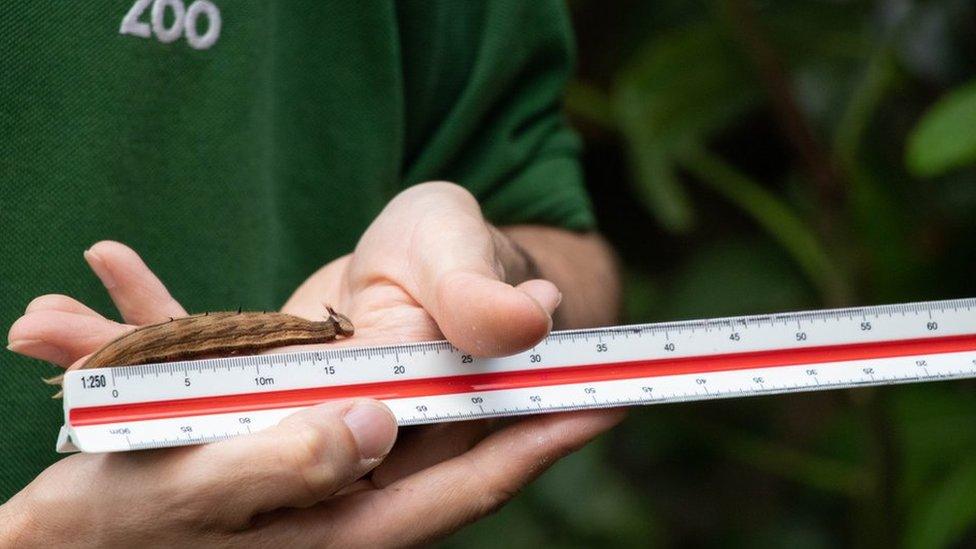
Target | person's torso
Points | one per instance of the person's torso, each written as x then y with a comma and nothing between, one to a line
237,145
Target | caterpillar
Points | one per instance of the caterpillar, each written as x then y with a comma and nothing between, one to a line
214,334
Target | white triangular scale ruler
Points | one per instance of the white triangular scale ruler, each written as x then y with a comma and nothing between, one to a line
192,402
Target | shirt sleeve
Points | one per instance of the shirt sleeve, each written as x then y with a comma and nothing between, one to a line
483,94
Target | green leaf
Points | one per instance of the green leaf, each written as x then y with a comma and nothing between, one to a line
944,516
933,431
678,91
685,86
589,103
945,138
775,217
593,503
642,297
659,188
937,481
755,275
809,469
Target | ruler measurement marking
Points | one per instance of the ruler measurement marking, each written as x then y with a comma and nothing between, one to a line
494,381
695,343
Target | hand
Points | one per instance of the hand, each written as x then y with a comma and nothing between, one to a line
428,266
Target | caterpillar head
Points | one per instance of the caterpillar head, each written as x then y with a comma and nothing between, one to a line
343,326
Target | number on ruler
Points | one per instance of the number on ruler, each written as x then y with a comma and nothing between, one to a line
734,336
601,347
533,358
93,381
932,326
399,370
466,359
669,347
801,336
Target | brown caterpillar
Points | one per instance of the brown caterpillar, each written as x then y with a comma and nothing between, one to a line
213,335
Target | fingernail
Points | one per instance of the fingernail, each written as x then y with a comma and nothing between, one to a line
373,427
101,271
38,349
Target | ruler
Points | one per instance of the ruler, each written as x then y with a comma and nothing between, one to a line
192,402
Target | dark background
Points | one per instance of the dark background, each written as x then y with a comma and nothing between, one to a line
749,157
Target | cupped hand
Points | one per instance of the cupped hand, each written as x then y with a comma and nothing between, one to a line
428,267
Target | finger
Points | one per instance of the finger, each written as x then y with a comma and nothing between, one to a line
61,337
57,302
139,295
442,498
423,447
308,457
479,482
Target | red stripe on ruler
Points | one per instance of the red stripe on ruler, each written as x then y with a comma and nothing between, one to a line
495,381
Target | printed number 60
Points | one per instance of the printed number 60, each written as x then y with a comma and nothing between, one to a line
184,22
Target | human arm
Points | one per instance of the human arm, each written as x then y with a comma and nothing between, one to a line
429,266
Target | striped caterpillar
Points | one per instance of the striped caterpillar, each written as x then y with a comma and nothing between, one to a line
211,335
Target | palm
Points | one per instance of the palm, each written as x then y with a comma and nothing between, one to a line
373,287
383,312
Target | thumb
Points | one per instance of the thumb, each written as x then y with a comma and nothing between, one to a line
487,317
308,457
433,240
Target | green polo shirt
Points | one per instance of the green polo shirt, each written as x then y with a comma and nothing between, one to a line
240,144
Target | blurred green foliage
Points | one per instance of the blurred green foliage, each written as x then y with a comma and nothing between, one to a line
946,137
749,157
